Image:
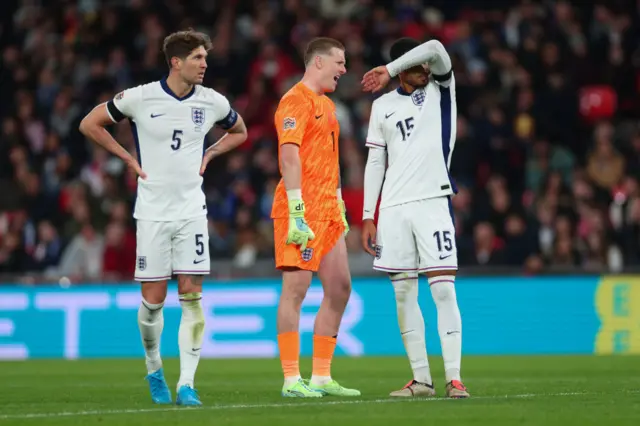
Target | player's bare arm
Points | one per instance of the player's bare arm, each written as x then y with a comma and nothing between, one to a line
93,127
431,54
234,137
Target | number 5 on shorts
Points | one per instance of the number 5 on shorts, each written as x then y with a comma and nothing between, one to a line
199,245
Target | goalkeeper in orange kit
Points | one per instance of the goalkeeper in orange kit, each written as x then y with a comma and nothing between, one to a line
309,219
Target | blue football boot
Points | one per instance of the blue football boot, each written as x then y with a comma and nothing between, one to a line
188,396
160,393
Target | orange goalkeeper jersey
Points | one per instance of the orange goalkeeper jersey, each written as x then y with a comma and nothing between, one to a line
309,121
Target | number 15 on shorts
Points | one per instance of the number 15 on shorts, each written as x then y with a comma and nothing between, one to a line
444,243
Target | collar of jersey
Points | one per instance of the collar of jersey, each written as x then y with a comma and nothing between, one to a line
307,89
166,88
403,92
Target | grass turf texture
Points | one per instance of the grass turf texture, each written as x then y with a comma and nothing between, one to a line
547,391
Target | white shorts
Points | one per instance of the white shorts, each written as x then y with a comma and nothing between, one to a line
167,248
418,236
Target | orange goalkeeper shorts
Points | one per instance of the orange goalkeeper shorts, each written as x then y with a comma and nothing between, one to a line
327,234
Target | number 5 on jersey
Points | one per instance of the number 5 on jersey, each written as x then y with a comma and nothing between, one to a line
177,140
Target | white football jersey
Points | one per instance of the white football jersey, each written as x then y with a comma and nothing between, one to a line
169,133
418,130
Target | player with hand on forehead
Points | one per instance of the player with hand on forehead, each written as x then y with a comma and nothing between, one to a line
309,219
413,129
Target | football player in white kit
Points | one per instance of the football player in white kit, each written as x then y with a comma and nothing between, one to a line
413,129
169,120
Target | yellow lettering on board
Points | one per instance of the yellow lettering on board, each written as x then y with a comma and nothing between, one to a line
617,303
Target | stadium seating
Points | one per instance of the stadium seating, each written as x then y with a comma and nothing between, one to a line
547,155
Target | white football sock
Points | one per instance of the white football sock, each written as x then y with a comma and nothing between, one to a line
449,324
411,324
190,336
291,380
320,380
150,323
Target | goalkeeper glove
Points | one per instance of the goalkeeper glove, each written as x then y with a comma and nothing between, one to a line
299,232
343,212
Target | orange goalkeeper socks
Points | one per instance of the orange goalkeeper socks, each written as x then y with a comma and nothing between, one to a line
289,345
323,348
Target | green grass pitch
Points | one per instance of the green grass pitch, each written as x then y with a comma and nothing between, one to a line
569,390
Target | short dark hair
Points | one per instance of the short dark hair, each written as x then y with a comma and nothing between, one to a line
180,44
321,45
402,46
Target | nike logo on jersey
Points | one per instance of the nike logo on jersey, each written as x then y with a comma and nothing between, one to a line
452,332
195,262
318,116
389,115
157,115
444,257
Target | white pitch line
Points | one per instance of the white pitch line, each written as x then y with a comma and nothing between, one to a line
274,405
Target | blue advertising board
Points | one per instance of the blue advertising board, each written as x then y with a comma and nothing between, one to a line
516,315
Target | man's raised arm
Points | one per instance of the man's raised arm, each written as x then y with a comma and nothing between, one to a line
431,52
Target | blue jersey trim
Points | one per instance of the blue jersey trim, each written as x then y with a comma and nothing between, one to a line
136,140
114,111
445,117
402,92
168,90
229,121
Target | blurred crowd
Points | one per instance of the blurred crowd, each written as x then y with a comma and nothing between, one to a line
547,156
